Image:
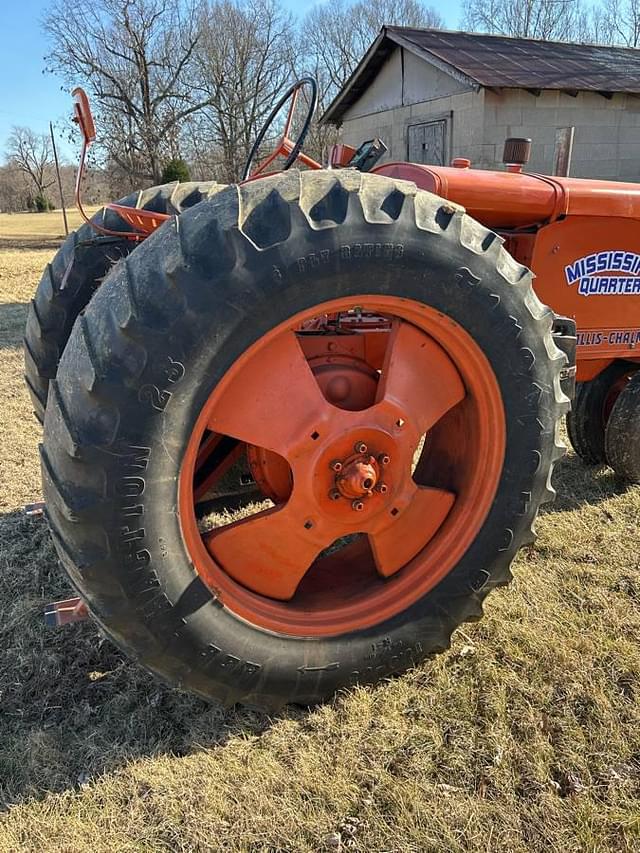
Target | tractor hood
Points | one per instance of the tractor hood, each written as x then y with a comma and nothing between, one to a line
515,199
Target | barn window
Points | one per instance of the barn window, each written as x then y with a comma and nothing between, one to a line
427,142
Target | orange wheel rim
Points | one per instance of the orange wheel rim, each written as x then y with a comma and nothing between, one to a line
403,523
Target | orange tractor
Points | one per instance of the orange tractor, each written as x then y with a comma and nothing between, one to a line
297,428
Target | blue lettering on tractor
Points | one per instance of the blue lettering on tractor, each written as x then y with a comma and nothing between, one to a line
589,273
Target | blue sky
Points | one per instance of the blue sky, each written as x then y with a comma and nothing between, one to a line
30,98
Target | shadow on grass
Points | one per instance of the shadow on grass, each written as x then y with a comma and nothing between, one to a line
32,243
577,484
13,318
72,705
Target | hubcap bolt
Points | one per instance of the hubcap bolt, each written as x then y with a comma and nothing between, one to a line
358,506
336,466
360,447
334,494
382,488
384,459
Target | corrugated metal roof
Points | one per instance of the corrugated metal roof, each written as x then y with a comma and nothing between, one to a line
500,62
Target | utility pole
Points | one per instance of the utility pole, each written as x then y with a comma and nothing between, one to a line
55,157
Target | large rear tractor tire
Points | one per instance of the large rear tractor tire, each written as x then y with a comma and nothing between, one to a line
392,379
591,409
622,438
71,279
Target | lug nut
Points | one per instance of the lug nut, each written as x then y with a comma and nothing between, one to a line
334,494
382,488
358,506
384,459
360,447
336,466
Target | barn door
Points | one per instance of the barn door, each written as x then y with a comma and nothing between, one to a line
427,142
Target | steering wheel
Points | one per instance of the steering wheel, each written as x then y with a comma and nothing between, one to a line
286,147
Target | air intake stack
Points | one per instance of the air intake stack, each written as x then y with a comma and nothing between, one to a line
517,152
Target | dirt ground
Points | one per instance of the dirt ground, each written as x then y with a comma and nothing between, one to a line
525,736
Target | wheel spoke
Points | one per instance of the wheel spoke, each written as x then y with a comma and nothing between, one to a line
411,529
274,400
270,552
266,162
419,377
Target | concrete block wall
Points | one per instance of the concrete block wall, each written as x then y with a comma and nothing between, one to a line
355,131
464,112
468,126
607,131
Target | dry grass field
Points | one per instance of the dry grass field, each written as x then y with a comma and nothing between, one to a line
36,230
525,736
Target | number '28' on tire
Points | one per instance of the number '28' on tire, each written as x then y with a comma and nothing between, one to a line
384,371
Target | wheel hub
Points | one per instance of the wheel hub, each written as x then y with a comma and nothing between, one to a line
358,476
355,474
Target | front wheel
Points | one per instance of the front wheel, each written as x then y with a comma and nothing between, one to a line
592,407
622,437
388,378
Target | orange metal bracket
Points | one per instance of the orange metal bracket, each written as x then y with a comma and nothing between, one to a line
341,155
142,221
65,612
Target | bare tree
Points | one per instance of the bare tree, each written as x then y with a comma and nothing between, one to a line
335,36
619,22
560,20
136,57
16,189
244,62
31,154
196,78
